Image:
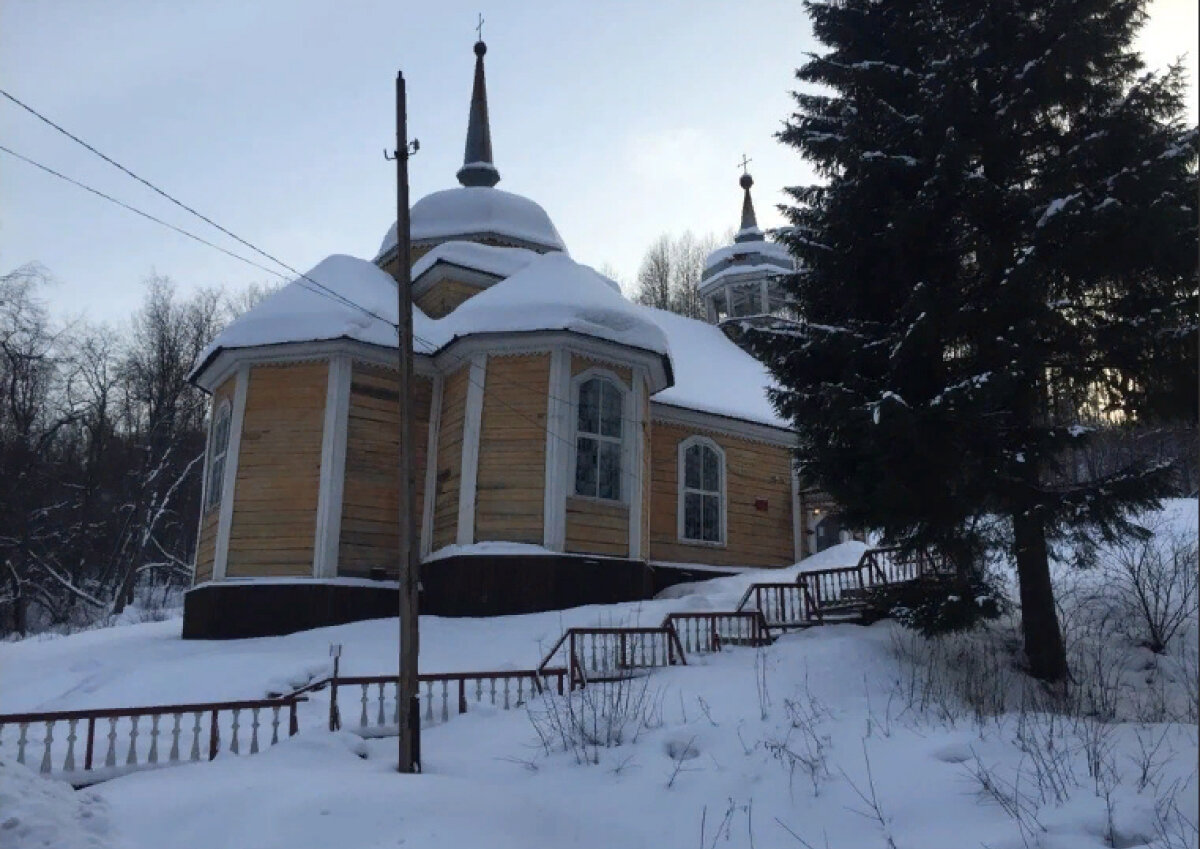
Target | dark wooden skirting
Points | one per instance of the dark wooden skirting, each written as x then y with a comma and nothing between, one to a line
474,585
235,610
467,585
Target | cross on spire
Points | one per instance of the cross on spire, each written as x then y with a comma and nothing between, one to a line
745,161
479,28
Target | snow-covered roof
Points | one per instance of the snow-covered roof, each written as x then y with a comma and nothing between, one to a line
553,292
743,250
757,271
548,292
302,311
490,259
712,374
475,211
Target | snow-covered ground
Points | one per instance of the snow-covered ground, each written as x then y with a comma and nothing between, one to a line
837,736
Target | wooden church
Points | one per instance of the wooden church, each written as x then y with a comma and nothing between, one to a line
572,447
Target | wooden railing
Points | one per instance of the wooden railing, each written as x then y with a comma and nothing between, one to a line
592,654
705,632
375,704
97,744
890,566
781,604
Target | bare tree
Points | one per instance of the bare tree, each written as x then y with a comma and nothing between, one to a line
669,276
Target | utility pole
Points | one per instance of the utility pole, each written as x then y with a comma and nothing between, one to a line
407,694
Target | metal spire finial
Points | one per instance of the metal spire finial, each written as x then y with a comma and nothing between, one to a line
749,231
478,168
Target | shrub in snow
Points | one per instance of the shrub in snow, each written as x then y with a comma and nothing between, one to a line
602,715
1156,581
943,607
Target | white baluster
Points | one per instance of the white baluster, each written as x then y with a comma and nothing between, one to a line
46,764
254,731
153,756
21,740
362,719
69,763
131,758
173,756
110,759
445,701
274,724
492,687
381,718
506,693
233,745
195,753
396,703
429,702
478,690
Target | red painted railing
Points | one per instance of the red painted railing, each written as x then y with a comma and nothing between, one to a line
113,741
703,632
592,654
442,695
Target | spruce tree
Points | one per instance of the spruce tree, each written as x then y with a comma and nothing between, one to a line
1005,236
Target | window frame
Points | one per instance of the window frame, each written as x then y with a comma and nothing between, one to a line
683,489
214,489
623,442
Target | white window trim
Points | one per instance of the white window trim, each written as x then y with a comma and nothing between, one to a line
472,425
625,441
559,450
682,490
229,484
225,408
327,539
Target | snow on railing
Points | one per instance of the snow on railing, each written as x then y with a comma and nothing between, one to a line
94,745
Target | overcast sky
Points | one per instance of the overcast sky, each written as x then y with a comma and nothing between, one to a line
623,120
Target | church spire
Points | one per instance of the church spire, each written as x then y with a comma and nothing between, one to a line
478,169
749,231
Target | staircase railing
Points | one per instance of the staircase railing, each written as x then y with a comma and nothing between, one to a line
96,744
441,695
703,632
592,654
781,604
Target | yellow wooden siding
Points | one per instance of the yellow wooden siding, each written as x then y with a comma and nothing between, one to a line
597,527
444,297
509,491
449,458
370,535
206,544
279,469
754,471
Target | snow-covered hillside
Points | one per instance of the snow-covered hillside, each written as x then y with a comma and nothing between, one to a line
839,736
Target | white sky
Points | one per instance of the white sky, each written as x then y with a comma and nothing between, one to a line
624,121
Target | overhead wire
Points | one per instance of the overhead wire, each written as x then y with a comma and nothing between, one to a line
320,288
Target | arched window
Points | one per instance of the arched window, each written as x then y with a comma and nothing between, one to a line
701,491
218,448
598,426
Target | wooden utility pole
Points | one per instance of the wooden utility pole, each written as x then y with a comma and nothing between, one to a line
407,694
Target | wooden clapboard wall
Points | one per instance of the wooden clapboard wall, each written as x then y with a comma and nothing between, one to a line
444,297
370,535
449,458
509,489
206,544
278,474
755,471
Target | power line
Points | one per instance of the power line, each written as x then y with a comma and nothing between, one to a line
136,211
184,206
321,289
